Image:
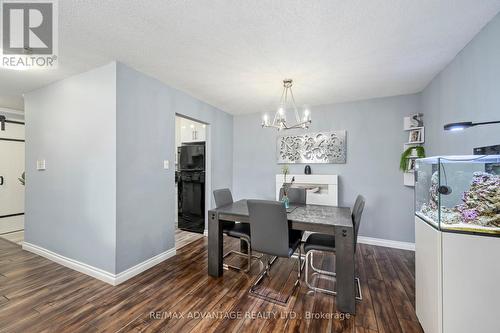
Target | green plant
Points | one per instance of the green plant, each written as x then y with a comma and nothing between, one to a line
285,170
405,156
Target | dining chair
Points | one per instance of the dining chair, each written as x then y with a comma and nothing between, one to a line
272,236
295,195
241,231
320,243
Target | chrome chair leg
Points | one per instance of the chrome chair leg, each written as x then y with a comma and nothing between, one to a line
248,256
265,272
325,274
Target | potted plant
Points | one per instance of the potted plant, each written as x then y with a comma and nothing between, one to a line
285,170
411,152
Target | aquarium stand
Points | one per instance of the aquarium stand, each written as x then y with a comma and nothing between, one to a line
455,276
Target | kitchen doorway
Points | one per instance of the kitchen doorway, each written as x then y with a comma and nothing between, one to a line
191,181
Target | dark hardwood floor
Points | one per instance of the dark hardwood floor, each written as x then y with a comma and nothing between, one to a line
37,295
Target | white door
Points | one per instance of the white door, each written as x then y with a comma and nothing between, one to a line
11,189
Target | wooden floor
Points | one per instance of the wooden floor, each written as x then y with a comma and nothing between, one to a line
183,238
37,295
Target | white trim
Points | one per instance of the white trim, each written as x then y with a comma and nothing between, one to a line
71,263
143,266
113,279
387,243
205,232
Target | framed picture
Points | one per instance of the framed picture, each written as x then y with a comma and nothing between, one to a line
411,165
416,136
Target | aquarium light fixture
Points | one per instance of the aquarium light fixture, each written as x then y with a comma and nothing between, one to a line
466,124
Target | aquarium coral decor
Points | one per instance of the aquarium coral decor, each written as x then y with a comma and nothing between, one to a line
480,203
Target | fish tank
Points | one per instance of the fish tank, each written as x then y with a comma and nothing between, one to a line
459,193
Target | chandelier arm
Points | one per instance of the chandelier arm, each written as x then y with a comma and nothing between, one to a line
281,103
297,117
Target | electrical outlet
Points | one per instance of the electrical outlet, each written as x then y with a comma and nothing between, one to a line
166,164
40,165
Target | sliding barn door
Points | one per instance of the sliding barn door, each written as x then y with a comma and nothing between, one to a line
11,169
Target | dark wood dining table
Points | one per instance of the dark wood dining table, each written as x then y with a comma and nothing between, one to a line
324,219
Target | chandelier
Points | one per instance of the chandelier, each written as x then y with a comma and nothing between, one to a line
279,121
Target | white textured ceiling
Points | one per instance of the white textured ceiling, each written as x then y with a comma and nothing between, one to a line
234,54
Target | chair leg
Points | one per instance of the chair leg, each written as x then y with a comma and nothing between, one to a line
299,259
325,274
248,256
317,270
265,272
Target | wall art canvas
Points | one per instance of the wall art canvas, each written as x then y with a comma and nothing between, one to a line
320,147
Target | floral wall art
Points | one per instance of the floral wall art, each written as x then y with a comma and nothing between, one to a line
320,147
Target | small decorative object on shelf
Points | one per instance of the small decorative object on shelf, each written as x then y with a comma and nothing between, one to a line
307,170
285,170
413,121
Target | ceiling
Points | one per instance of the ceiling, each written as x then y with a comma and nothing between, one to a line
234,54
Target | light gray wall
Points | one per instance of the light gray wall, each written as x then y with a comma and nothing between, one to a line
468,89
70,207
146,111
375,140
105,199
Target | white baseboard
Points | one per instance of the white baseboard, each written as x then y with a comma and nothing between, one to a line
374,241
113,279
71,263
387,243
143,266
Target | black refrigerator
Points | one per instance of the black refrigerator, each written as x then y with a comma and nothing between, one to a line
191,186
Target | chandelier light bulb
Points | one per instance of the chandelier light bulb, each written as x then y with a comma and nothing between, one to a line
265,120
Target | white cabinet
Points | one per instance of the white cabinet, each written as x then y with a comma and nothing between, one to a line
191,131
456,277
321,189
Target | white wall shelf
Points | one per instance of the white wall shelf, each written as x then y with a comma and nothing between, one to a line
408,126
327,194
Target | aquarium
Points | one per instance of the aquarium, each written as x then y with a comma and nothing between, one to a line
459,193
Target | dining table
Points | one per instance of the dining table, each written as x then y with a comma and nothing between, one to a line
330,220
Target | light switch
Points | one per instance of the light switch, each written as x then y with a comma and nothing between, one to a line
40,165
166,164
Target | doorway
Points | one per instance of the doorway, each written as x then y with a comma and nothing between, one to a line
191,183
11,177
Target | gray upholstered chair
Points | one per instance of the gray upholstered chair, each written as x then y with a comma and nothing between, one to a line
272,236
241,231
295,195
317,242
